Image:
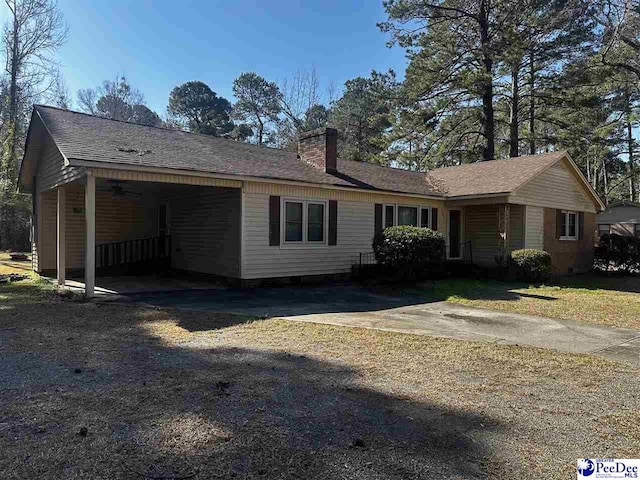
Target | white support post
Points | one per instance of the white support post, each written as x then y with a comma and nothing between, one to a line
90,248
62,244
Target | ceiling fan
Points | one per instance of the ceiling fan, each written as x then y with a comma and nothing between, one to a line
117,190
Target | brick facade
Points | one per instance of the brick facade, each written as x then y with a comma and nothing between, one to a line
320,148
569,256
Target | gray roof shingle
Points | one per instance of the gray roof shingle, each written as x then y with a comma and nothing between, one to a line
80,136
496,176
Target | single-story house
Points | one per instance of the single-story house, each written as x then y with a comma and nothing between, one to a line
108,191
622,218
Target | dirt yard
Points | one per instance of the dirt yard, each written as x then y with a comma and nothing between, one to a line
123,392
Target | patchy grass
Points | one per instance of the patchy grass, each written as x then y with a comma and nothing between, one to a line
12,266
163,392
601,300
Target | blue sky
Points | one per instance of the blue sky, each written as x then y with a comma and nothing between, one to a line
161,44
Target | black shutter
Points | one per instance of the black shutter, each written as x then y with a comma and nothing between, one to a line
580,225
434,219
274,220
558,223
378,218
333,222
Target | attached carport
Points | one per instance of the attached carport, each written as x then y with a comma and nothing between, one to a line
111,226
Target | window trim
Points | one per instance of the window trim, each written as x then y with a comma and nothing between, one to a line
305,243
396,206
415,207
384,215
429,217
565,235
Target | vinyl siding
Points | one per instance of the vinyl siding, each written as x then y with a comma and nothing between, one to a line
51,170
333,194
516,217
481,228
205,225
556,187
205,230
620,214
116,220
46,250
50,173
137,176
355,233
534,227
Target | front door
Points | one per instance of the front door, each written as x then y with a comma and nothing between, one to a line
454,233
163,220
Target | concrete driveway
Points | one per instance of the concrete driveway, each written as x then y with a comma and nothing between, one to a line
352,306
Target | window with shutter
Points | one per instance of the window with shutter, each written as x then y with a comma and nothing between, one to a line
304,222
274,220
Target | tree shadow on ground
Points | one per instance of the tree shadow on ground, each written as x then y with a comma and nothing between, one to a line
191,405
302,300
601,281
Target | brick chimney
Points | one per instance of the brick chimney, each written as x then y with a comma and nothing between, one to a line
319,148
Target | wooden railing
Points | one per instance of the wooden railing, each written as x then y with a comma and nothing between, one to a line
143,253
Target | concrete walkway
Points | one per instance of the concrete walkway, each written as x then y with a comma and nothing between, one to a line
449,320
351,306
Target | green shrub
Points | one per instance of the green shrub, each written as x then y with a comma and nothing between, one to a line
409,251
618,253
530,264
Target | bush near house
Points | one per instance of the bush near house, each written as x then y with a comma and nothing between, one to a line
409,252
529,264
618,253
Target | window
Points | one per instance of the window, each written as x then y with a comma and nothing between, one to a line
408,216
315,222
405,215
293,222
424,218
304,222
389,216
572,232
569,226
603,229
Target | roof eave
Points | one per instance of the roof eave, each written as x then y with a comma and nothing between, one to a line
77,162
591,190
20,185
477,195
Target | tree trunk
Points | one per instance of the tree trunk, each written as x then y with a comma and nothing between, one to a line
630,145
13,92
514,140
532,105
7,215
632,167
605,180
260,131
486,117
